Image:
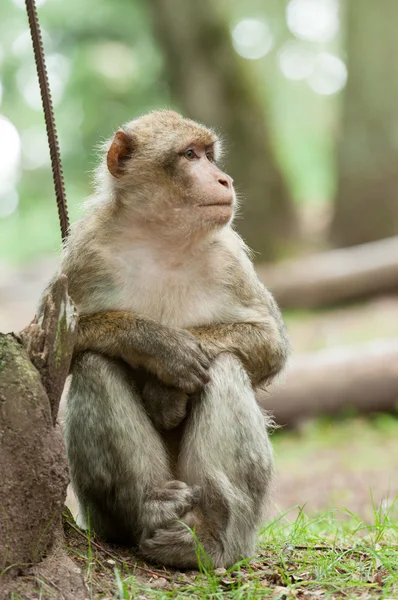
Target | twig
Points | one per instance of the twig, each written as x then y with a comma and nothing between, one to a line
332,548
116,558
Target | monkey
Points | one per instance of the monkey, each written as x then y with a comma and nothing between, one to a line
167,448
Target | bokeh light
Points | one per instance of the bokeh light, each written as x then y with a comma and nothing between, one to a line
58,69
10,149
21,3
329,75
252,38
115,62
10,159
9,201
296,61
22,45
35,152
313,20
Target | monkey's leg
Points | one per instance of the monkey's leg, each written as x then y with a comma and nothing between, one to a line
226,451
118,462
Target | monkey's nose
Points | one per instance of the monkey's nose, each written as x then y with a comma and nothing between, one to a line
225,181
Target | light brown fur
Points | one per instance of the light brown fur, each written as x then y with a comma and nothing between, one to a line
175,332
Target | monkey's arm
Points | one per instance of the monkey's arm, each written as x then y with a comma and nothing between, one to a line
262,354
175,356
262,345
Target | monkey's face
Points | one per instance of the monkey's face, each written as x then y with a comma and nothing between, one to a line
164,170
206,192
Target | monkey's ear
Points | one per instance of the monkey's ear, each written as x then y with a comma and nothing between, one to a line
121,150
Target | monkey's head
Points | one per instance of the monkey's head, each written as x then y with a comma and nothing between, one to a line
163,170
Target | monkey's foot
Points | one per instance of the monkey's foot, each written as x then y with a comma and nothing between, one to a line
166,406
168,504
178,546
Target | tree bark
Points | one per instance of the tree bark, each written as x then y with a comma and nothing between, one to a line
33,468
337,276
366,205
50,338
34,473
212,84
330,382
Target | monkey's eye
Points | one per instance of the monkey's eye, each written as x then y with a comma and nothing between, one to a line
210,156
190,154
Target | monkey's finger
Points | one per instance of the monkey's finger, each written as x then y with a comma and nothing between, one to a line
204,360
196,494
179,493
201,373
175,484
204,373
191,384
200,362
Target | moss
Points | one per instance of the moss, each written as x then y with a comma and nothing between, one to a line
16,369
61,339
3,351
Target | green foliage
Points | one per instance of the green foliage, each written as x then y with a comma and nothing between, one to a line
112,72
109,68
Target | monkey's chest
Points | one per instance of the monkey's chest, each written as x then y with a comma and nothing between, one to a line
176,299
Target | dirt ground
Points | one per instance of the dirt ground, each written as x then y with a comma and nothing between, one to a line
352,464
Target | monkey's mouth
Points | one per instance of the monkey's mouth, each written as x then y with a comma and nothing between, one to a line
217,204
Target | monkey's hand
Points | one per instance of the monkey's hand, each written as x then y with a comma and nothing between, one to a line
181,361
174,356
262,347
165,405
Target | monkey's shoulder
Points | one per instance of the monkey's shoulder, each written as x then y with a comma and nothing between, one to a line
91,279
237,269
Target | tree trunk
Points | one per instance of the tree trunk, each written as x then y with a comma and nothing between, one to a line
366,206
329,382
34,473
212,84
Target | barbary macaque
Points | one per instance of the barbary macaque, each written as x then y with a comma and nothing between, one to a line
163,433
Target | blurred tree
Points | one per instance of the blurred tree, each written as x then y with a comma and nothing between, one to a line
366,205
104,69
212,84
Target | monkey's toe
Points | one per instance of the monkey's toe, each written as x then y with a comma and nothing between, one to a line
185,544
168,504
174,545
175,484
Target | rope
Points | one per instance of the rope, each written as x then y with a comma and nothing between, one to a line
48,110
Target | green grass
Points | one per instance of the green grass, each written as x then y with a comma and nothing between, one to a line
332,555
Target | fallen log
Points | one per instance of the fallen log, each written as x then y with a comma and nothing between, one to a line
336,276
332,381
